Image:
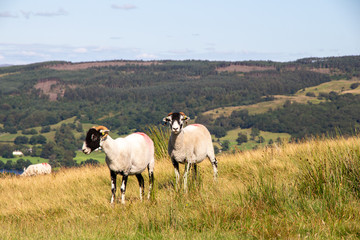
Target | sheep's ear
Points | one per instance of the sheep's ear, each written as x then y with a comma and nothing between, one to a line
166,120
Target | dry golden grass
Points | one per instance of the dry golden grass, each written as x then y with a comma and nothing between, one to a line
262,194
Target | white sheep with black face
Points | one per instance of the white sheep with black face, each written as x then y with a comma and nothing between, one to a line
188,145
125,156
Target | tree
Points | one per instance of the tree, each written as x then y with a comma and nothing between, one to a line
219,132
90,162
6,151
79,127
354,85
41,139
254,133
9,165
37,139
216,149
21,140
261,139
225,145
242,138
45,129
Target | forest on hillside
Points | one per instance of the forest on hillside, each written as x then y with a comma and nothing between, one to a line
128,96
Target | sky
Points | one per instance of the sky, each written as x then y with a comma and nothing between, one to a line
224,30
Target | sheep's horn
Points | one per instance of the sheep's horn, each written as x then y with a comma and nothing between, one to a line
98,128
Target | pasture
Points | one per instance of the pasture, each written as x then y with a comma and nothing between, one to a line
339,86
306,190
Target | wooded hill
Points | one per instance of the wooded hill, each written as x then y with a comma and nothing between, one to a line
129,95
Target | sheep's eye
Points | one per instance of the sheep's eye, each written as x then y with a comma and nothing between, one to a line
93,137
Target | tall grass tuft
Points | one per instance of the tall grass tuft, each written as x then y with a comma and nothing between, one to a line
160,136
330,171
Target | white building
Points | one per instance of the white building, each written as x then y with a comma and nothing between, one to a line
17,153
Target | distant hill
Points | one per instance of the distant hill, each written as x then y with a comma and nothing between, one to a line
128,95
5,65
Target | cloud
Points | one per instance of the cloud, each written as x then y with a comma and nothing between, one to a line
146,56
33,54
7,15
80,50
124,7
57,13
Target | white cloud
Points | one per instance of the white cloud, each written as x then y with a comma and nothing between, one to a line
28,53
33,54
7,15
80,50
124,6
59,12
146,56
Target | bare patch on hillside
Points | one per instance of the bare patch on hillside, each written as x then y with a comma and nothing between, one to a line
86,65
51,88
244,68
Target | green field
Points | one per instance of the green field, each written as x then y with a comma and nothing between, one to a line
339,86
98,155
232,135
33,160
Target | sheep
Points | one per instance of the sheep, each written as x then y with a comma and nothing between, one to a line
189,145
36,169
124,156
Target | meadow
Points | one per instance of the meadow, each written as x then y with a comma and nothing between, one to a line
338,86
293,191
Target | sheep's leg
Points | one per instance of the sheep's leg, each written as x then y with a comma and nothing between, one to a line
177,172
195,172
214,163
141,185
151,182
123,188
113,186
187,167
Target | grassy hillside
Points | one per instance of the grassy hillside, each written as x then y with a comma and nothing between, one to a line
339,86
308,190
232,135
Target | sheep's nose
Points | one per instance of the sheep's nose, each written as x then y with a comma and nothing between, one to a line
175,128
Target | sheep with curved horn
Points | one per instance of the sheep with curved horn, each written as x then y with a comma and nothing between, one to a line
125,156
189,145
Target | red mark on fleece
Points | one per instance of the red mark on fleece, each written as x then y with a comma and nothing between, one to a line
195,125
44,163
147,138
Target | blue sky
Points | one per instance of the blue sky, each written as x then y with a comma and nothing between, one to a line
230,30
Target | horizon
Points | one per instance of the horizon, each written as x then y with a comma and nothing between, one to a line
161,60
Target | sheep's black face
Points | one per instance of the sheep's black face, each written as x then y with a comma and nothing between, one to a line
176,121
92,141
